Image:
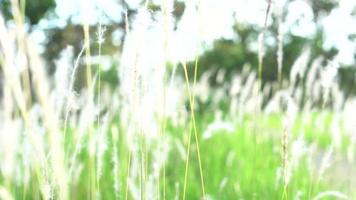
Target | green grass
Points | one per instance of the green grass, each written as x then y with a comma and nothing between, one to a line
233,166
249,171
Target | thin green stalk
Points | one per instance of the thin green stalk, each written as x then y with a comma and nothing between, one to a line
92,171
164,123
285,193
191,102
187,161
141,176
280,54
143,163
87,54
100,41
162,139
128,176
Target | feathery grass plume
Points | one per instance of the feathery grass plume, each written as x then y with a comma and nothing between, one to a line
176,98
62,77
217,126
176,197
234,91
280,12
100,33
261,38
100,130
324,165
269,4
247,94
349,126
86,29
47,188
313,72
280,52
130,66
21,62
8,142
335,194
85,122
13,82
50,121
5,194
336,132
311,81
299,68
288,123
298,149
261,54
202,87
115,160
102,146
257,89
142,78
7,59
338,97
123,91
273,105
70,91
328,76
325,162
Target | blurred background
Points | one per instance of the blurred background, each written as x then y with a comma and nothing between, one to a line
228,33
173,99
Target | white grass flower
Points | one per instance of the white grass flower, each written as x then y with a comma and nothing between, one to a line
5,194
280,39
336,132
62,78
218,126
70,89
102,146
176,197
335,194
261,49
223,183
299,67
325,162
298,150
328,76
117,184
313,72
47,191
100,34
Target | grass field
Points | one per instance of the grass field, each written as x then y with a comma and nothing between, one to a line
163,131
241,159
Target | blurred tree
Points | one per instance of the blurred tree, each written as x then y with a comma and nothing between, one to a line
58,38
227,54
35,10
231,55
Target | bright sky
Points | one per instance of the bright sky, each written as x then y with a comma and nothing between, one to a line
217,17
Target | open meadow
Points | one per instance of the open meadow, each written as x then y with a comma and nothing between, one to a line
177,99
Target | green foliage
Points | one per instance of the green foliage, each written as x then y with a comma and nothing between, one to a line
5,8
244,163
35,10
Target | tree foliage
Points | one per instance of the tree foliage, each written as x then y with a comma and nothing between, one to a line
35,10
